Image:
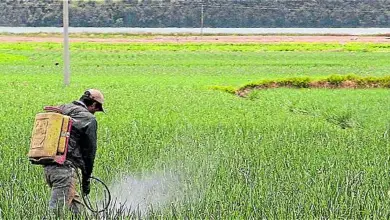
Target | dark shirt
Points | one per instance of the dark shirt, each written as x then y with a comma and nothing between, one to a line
83,136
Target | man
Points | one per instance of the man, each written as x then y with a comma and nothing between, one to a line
81,153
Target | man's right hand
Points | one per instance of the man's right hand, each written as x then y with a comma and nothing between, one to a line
86,186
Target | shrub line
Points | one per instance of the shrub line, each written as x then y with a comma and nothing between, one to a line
331,82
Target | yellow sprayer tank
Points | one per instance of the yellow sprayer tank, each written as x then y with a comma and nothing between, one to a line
50,136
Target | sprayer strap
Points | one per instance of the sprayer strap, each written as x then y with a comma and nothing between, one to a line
52,109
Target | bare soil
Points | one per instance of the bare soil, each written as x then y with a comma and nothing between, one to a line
206,39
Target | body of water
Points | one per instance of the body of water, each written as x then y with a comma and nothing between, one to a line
308,31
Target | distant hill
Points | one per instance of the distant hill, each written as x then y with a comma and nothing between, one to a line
216,13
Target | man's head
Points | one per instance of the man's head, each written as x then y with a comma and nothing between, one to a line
94,100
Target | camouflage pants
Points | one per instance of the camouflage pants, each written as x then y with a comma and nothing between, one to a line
62,181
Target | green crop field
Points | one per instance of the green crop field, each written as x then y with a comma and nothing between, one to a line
277,153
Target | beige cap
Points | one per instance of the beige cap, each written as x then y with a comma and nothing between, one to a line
97,96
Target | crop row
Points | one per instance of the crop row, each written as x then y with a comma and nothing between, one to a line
242,47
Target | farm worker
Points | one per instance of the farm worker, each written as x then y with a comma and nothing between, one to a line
81,153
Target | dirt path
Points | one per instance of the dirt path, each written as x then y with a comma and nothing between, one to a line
206,39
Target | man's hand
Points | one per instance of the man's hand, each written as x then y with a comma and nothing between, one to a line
86,186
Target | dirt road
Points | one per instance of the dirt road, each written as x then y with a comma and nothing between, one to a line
205,39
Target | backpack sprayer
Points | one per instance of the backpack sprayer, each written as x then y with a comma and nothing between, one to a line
49,145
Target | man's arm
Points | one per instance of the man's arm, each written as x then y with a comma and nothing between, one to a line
89,148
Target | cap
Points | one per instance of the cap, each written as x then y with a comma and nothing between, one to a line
97,96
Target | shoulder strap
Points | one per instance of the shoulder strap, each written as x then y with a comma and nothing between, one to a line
52,109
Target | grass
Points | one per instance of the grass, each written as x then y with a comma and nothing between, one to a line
205,47
281,154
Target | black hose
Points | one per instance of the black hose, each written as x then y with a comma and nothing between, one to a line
85,197
87,202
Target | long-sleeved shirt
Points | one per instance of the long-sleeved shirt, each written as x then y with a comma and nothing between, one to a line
83,137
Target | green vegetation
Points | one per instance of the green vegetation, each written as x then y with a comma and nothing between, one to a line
5,58
217,47
282,154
